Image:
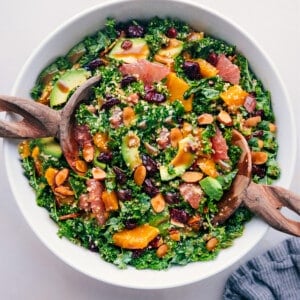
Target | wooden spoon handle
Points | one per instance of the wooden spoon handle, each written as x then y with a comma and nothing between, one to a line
266,201
37,120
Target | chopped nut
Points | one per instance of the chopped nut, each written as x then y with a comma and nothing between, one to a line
158,203
61,176
195,36
212,244
88,153
69,216
133,141
140,175
81,166
253,121
175,235
205,119
195,222
98,173
224,118
191,176
64,190
162,250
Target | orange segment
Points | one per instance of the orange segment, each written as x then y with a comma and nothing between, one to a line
207,166
137,238
177,87
50,175
128,115
234,96
100,140
110,200
206,69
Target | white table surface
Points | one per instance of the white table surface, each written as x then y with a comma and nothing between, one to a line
28,270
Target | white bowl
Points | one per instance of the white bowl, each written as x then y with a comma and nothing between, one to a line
58,43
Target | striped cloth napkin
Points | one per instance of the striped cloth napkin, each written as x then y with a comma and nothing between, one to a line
273,275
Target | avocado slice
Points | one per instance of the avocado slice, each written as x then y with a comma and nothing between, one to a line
49,146
76,53
181,162
65,84
48,73
172,50
212,188
130,150
137,49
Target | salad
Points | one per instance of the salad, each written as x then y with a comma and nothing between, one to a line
154,143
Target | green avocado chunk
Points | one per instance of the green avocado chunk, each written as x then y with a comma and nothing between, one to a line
65,84
130,150
181,162
212,188
130,50
49,146
76,53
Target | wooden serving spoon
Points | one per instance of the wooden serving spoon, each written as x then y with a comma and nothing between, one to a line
38,120
263,200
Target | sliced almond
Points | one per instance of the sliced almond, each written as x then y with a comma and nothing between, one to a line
98,173
224,118
205,119
61,176
162,250
158,203
192,176
175,235
212,244
140,175
81,166
64,190
253,121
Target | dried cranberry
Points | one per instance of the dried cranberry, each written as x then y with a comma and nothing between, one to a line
212,58
172,198
109,103
155,242
126,44
258,113
93,247
179,215
124,195
127,80
171,33
137,253
134,31
150,188
105,157
259,170
130,224
120,175
94,64
258,133
155,97
150,164
191,70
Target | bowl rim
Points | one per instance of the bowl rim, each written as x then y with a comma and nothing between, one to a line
6,144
